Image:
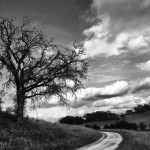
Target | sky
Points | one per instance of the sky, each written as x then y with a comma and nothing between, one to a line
114,33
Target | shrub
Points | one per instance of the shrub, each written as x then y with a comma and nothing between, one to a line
142,126
72,120
87,126
96,127
133,126
122,125
106,126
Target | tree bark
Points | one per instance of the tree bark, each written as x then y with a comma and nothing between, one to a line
20,106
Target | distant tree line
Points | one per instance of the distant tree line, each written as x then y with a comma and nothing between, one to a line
126,125
90,117
122,125
138,109
103,116
72,120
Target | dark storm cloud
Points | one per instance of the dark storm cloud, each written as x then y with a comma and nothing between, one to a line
106,96
60,13
89,100
57,18
142,86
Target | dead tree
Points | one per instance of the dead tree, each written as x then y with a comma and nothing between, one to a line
37,67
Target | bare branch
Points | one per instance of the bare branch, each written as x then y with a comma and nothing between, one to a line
38,67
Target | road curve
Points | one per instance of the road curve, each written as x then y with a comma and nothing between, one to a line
108,141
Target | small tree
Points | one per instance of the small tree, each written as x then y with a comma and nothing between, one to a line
37,67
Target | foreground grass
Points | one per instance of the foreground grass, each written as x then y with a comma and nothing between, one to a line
134,140
43,136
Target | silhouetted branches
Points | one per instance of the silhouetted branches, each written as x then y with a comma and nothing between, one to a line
37,67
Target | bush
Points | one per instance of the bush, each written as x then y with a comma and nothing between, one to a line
96,127
122,125
72,120
133,126
87,126
142,126
106,126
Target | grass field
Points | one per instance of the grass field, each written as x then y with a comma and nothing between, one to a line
134,140
43,135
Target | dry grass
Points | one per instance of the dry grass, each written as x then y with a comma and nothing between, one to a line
43,136
134,140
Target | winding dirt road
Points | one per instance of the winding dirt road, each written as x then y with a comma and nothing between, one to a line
108,141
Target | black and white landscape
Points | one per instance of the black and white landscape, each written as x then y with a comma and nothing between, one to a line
75,74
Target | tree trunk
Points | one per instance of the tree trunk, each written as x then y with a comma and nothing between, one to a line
20,112
20,106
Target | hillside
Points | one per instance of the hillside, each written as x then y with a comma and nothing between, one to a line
42,135
141,117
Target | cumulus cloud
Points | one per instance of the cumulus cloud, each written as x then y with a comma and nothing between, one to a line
144,66
124,15
125,26
110,94
85,97
116,97
119,103
138,42
89,95
116,89
96,42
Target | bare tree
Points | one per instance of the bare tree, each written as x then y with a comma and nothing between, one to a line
37,67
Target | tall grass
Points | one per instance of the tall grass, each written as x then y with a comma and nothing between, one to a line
134,140
43,136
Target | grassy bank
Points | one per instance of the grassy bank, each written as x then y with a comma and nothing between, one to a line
43,135
134,140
